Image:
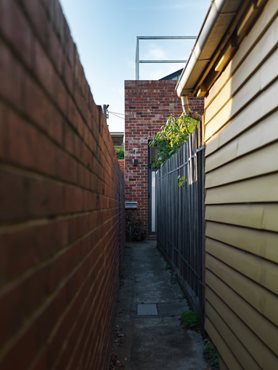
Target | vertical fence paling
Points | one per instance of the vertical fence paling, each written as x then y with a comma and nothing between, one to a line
180,215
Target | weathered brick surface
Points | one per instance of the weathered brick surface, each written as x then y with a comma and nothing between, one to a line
61,197
122,164
147,106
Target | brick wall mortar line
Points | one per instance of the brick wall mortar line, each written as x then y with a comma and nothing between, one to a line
27,274
36,175
38,128
53,64
10,228
80,312
42,307
92,312
62,191
64,314
89,343
50,99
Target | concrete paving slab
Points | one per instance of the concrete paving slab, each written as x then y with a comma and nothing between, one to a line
152,342
148,309
172,309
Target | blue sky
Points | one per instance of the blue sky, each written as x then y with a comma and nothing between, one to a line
105,33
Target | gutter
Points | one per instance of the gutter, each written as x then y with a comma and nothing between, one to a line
226,24
213,13
218,36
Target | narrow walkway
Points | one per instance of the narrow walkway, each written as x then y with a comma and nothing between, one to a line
148,335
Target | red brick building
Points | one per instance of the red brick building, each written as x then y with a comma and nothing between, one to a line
147,106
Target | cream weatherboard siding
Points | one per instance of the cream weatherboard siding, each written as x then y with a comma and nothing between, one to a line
241,134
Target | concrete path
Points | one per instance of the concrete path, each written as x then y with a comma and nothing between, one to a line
148,335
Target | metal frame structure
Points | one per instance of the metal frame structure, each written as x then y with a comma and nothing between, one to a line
138,61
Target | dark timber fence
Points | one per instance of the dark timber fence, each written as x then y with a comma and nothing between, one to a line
180,210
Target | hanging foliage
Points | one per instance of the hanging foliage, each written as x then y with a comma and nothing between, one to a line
120,152
171,137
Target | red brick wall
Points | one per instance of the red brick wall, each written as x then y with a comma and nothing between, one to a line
147,106
61,193
122,164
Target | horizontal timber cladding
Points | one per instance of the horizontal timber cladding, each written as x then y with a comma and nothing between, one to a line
180,216
61,199
241,212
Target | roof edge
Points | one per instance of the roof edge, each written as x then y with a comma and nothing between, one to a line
225,26
207,26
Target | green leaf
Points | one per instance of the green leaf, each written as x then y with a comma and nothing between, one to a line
173,134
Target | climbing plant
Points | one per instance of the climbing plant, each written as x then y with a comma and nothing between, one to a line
181,181
171,137
120,152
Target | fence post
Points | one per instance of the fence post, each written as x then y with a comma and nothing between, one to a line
180,217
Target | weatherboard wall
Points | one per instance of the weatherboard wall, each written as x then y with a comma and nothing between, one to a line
241,134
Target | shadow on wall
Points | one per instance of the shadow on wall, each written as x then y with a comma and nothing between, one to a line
241,201
61,199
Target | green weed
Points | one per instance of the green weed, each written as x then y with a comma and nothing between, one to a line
189,320
211,355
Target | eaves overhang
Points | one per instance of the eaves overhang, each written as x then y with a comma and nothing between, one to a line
219,26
